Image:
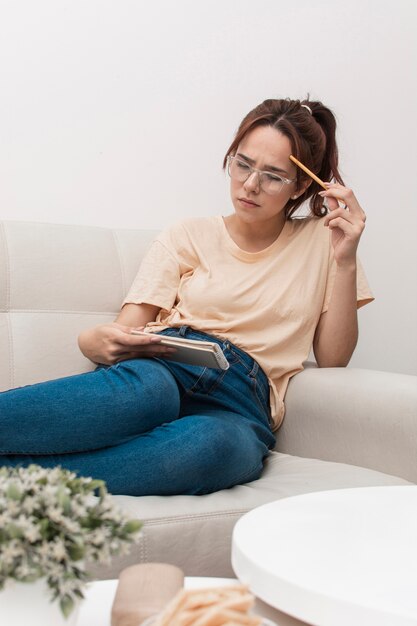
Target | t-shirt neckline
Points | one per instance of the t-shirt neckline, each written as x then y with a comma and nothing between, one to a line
252,256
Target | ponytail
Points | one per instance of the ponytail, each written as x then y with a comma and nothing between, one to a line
329,166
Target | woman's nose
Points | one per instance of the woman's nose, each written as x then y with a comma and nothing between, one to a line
252,182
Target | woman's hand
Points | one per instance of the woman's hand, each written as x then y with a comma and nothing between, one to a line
346,224
110,343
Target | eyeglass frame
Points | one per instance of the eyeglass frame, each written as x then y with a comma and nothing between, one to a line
285,181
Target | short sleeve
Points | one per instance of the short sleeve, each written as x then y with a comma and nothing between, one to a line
363,291
157,279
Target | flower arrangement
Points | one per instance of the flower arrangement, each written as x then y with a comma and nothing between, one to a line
51,521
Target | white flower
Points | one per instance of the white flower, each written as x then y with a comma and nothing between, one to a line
13,508
58,551
32,534
9,551
44,550
29,504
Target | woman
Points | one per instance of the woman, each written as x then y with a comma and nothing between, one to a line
264,285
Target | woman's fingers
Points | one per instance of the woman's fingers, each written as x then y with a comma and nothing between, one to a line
343,224
346,215
159,352
345,195
146,352
133,340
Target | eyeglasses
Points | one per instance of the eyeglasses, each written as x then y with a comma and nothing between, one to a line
240,170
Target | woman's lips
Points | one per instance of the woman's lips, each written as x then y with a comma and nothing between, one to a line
247,202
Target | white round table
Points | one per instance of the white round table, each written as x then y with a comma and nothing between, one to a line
340,557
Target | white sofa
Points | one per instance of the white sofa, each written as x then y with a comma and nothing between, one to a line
343,427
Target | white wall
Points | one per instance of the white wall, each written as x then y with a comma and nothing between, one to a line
118,112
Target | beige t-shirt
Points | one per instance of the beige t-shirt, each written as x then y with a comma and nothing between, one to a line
267,303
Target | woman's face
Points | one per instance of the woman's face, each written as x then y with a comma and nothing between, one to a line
263,148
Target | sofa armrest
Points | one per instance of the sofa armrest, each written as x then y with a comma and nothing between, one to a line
356,416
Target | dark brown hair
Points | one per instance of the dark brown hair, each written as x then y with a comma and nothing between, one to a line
313,142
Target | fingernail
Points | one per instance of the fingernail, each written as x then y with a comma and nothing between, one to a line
328,184
321,193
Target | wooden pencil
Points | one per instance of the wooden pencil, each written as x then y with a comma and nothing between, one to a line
307,171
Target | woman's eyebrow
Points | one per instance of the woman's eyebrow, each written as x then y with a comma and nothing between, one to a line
273,168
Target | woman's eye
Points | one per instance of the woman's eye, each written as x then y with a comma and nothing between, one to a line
243,166
272,178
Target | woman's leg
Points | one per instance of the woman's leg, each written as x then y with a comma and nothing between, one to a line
89,411
195,454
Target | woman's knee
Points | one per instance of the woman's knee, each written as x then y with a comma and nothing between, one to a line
227,453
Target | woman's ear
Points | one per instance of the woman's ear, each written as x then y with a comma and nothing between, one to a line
306,184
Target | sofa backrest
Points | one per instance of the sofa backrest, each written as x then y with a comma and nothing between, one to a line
56,280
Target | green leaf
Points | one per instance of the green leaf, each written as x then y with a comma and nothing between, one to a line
13,492
76,551
132,526
30,578
67,605
44,528
14,531
100,485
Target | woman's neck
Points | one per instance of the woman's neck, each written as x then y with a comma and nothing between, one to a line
254,236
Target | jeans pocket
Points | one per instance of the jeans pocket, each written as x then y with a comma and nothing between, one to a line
208,381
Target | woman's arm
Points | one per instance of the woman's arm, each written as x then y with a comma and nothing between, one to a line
111,343
337,331
135,315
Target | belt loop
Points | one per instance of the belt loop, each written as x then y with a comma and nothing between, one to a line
182,330
254,370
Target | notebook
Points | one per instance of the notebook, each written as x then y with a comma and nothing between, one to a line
192,351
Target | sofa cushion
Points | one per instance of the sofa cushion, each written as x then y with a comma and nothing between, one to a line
194,532
55,281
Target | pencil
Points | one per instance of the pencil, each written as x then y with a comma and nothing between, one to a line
307,171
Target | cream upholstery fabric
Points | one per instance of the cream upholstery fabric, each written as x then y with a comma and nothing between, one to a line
56,280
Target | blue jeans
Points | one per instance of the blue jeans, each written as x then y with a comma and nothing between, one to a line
146,426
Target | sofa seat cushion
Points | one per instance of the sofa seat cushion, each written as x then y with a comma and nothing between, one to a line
194,532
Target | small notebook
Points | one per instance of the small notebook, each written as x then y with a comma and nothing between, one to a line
192,351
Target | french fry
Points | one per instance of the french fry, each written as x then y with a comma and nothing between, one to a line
216,606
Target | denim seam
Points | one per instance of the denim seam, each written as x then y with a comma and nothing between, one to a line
241,361
213,387
263,397
255,388
190,391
